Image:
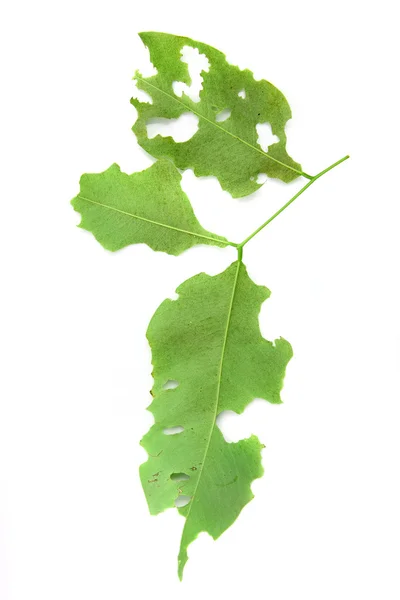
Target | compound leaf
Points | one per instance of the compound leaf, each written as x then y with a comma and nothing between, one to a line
209,343
227,149
147,207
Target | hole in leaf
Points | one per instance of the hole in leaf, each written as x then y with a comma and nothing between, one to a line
173,430
223,115
261,178
145,66
226,421
141,95
171,384
197,63
265,136
235,427
242,94
179,477
181,129
182,501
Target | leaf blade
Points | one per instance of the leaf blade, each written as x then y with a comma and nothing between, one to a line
228,150
197,340
146,207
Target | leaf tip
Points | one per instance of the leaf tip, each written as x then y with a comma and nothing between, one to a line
182,560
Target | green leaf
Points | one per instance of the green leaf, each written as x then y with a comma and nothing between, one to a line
208,341
228,150
147,207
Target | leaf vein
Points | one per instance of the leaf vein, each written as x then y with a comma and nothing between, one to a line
239,139
239,262
198,235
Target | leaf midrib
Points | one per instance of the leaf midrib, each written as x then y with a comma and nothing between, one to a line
198,235
201,116
228,320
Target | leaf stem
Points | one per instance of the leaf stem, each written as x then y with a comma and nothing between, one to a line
303,189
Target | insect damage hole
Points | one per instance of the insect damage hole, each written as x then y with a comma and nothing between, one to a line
141,95
265,136
181,129
173,430
235,427
179,477
242,94
197,63
171,384
261,178
223,115
182,501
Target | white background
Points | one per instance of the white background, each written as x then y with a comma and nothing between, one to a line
76,369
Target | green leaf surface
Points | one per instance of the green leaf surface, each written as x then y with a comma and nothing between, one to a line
209,342
228,150
147,207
